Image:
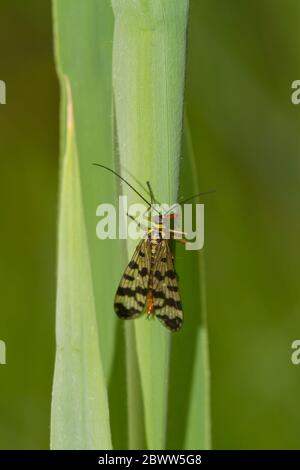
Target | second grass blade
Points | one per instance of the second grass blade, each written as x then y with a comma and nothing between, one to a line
79,415
148,71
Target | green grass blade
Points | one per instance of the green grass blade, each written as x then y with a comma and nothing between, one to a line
198,435
135,400
83,40
83,44
149,66
189,424
80,417
198,430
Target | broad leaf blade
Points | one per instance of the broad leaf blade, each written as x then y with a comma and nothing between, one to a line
80,417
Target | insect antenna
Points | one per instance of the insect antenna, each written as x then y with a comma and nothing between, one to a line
197,195
124,180
190,198
153,199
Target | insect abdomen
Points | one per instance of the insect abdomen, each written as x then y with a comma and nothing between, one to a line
149,302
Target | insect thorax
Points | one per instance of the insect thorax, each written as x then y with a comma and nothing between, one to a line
158,230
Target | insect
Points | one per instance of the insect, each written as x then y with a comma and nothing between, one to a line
149,282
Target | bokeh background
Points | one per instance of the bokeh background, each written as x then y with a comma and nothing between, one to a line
242,58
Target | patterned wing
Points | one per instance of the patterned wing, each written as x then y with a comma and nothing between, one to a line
166,297
131,294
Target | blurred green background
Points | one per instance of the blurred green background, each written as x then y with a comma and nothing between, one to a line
242,59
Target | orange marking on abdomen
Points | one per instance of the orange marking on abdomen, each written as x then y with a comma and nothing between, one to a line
149,302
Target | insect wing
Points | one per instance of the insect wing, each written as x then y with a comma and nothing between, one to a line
131,294
167,303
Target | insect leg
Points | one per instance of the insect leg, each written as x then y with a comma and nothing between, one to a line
138,223
151,193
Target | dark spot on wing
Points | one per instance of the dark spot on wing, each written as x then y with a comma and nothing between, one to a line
172,288
126,313
174,323
129,292
143,272
171,274
173,303
158,294
158,275
133,265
